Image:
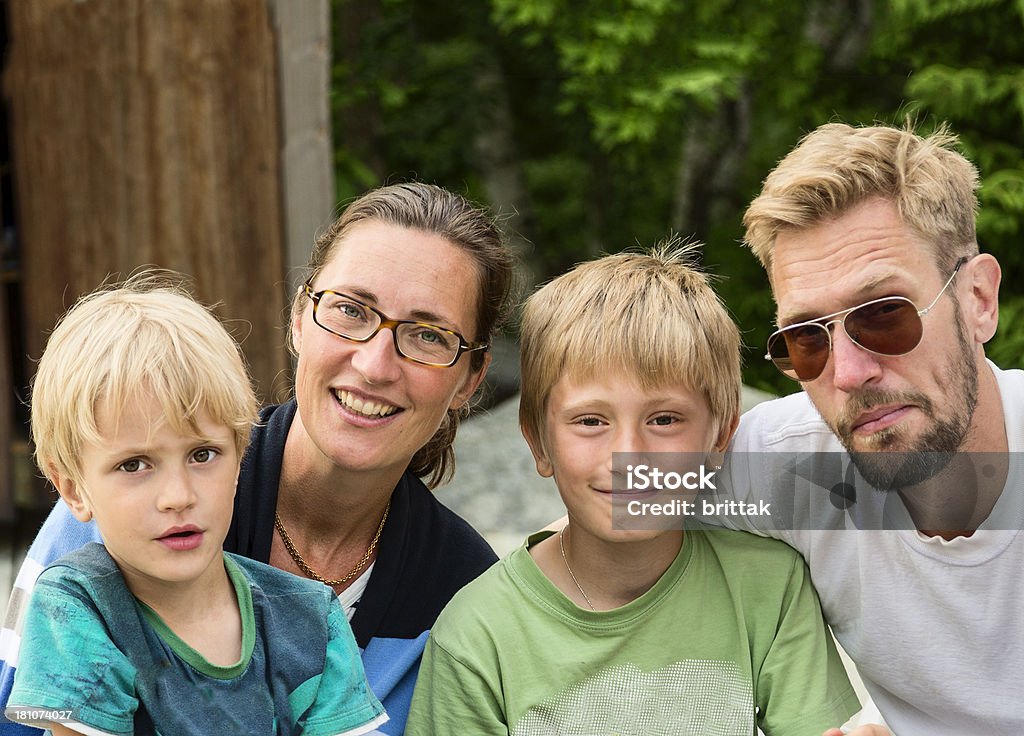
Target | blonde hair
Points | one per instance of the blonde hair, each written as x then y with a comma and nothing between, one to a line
123,340
650,315
836,167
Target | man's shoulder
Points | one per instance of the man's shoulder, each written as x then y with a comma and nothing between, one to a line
1011,385
790,423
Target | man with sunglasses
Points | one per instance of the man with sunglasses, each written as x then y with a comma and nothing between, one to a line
893,472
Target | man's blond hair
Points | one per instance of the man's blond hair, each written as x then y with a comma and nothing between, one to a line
652,316
836,167
122,341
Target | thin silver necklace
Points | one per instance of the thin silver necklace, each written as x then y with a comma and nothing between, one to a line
565,559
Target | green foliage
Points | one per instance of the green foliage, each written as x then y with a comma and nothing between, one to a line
917,12
973,78
951,91
620,121
400,78
636,68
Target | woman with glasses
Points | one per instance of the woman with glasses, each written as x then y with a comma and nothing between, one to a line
391,332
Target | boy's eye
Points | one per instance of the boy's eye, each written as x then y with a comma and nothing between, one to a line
664,420
589,421
204,455
132,466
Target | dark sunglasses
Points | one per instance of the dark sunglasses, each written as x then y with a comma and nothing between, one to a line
887,326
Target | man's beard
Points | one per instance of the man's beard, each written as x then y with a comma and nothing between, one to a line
893,463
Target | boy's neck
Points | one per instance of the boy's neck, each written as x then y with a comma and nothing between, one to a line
204,613
601,574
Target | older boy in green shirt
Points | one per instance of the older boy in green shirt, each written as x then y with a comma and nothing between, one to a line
600,630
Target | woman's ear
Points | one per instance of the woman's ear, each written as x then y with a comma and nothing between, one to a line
296,331
72,494
471,384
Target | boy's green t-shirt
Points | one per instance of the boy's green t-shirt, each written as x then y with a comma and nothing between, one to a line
730,637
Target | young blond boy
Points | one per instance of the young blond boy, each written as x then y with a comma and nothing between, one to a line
596,630
141,410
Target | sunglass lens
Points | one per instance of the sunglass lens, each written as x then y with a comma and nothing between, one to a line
800,352
888,327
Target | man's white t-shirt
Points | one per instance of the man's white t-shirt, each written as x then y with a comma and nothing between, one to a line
936,628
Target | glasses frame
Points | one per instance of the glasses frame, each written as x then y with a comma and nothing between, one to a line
392,324
840,318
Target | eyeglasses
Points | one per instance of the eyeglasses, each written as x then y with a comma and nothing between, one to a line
888,326
420,342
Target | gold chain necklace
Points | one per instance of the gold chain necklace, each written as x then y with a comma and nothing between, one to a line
565,559
310,572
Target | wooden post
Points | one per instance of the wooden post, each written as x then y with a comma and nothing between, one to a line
147,132
304,77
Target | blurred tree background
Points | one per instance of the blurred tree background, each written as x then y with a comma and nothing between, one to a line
596,125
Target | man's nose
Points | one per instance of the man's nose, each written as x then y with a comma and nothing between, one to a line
852,365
